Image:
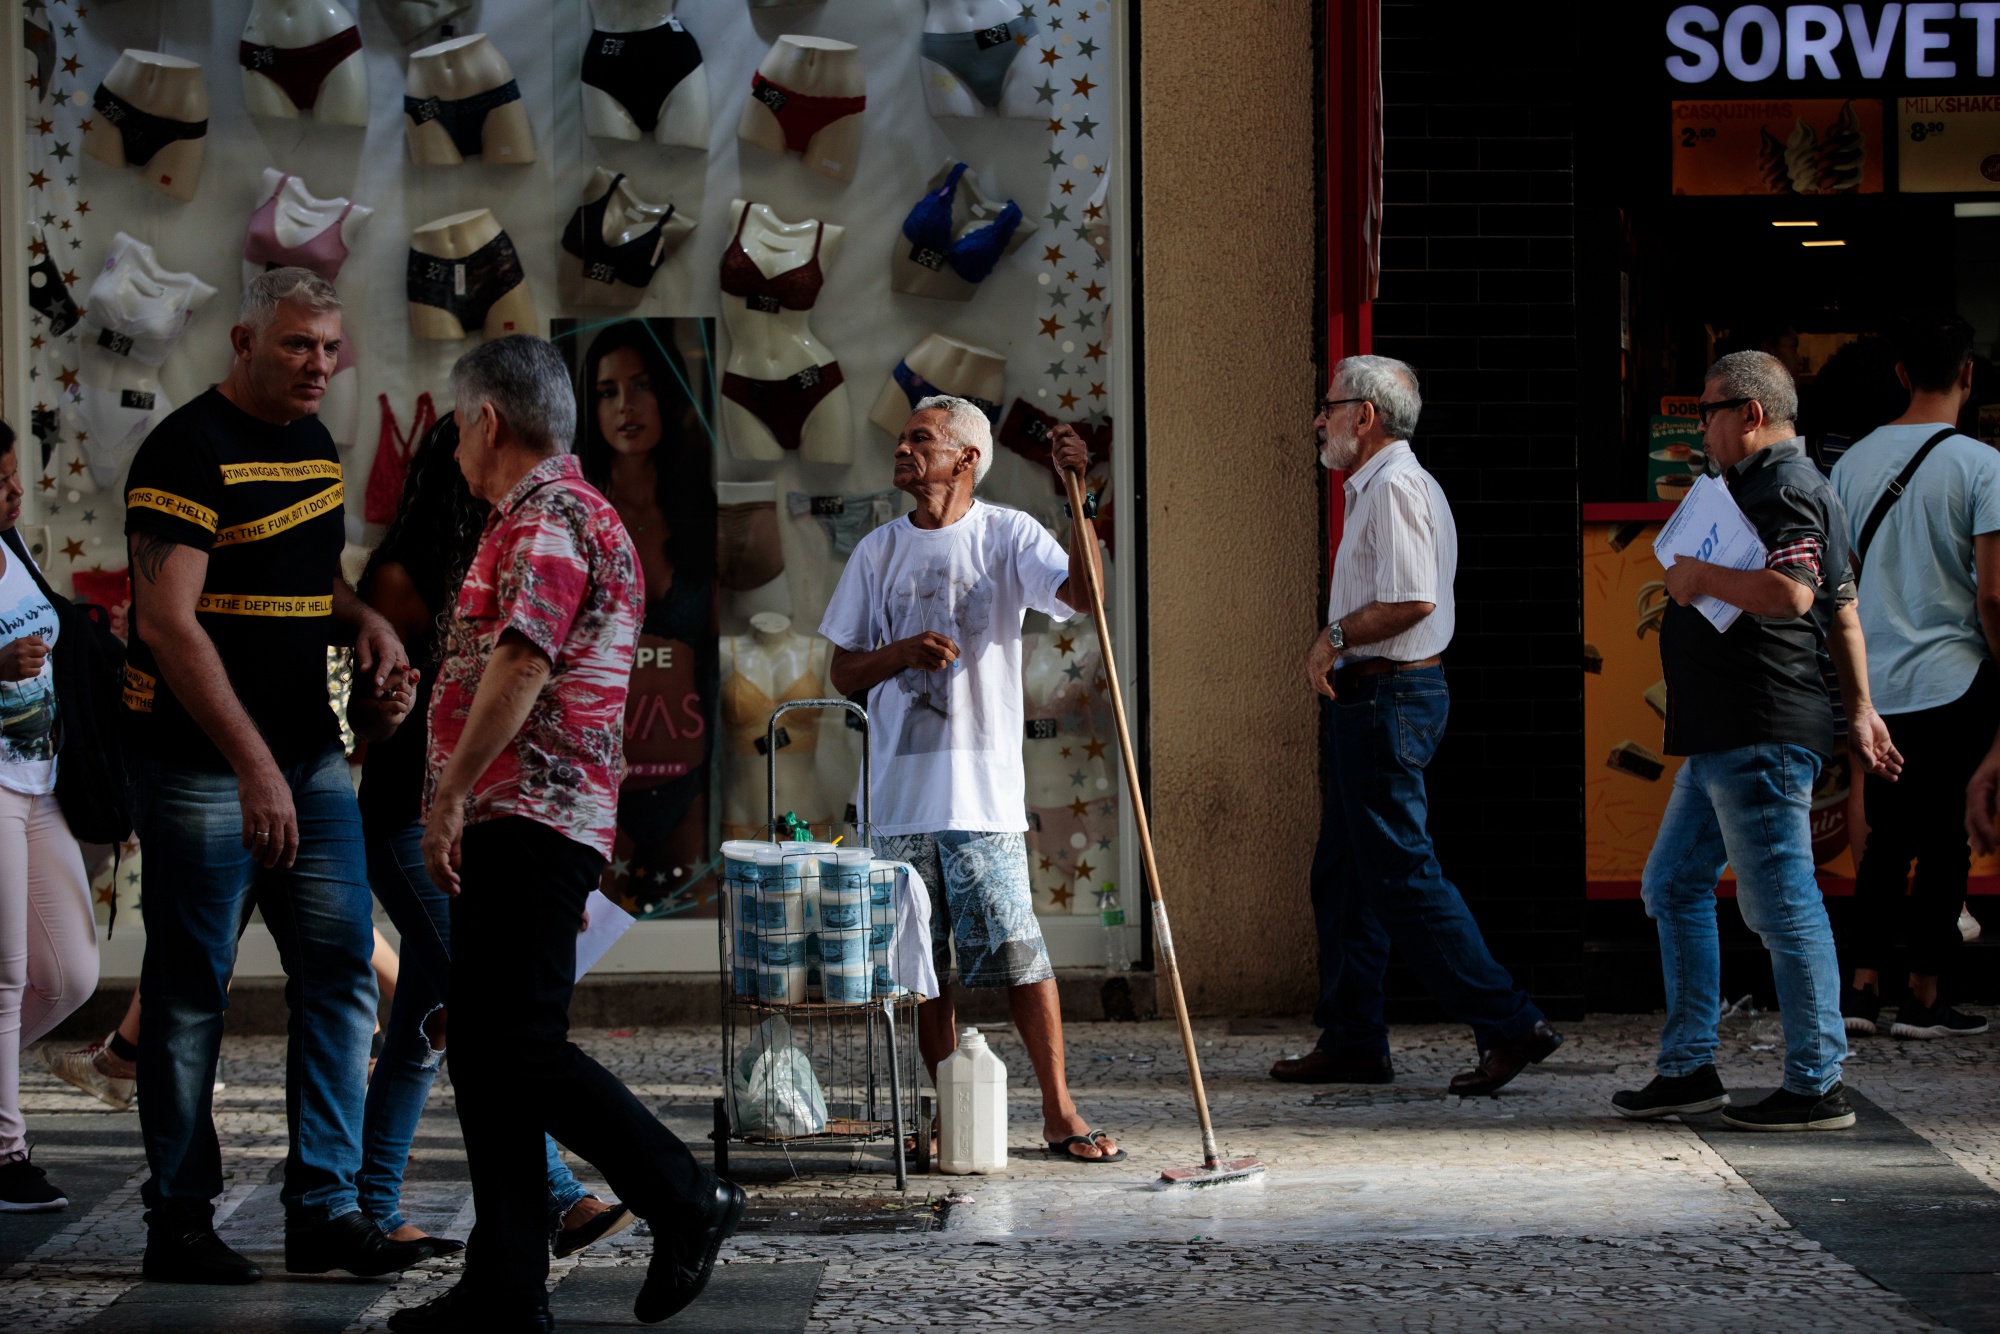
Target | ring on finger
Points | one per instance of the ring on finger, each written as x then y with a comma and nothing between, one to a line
263,833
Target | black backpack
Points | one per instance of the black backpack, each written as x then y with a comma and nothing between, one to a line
89,680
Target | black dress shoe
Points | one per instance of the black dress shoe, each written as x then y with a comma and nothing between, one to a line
187,1250
351,1242
1325,1067
1497,1068
461,1312
684,1258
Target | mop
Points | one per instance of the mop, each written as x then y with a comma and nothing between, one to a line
1214,1170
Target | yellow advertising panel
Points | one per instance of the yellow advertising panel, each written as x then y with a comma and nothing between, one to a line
1778,146
1948,145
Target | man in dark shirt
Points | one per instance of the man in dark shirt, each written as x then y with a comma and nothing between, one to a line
1749,709
240,793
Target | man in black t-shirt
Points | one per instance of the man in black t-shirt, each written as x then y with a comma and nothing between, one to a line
240,793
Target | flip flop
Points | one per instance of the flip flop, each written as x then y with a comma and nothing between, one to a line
1060,1148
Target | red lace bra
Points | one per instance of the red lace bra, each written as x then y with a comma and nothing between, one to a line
794,289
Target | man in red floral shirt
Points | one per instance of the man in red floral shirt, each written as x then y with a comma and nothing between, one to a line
525,745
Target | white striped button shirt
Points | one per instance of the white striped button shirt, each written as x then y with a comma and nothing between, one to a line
1398,545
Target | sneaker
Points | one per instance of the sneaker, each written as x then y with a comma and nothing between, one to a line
94,1070
1968,925
25,1189
1861,1009
1673,1095
1785,1110
1934,1021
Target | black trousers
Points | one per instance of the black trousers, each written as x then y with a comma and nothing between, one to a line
1921,817
515,1072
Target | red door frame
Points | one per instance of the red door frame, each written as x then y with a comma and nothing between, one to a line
1351,180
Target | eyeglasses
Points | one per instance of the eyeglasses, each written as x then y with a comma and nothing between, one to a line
1327,405
1703,410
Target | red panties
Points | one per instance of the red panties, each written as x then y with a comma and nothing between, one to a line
799,115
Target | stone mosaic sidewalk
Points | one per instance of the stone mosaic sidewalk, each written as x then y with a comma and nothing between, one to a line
1386,1208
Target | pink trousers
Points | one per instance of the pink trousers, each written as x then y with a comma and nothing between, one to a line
48,940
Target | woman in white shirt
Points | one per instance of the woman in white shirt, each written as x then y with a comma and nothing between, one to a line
48,936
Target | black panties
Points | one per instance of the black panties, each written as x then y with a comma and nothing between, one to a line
464,118
143,133
783,405
466,287
640,70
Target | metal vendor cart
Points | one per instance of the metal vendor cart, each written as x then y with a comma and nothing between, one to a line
818,1044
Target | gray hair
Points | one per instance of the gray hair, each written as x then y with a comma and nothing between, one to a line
1761,377
528,385
1389,384
969,428
301,287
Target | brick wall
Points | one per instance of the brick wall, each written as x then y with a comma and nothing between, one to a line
1478,293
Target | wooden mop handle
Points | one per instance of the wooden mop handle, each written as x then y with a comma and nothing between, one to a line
1163,937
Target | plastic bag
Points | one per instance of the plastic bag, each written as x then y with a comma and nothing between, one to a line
774,1088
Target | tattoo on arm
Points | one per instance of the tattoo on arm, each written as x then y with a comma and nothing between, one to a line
149,555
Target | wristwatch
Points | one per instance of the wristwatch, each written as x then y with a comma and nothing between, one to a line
1334,638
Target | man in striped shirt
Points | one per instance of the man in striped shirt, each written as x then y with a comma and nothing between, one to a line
1749,709
1375,877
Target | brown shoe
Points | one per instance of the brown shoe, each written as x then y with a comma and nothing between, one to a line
1324,1067
1497,1068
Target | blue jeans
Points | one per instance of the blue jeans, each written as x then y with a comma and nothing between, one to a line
1749,808
1376,879
403,1074
198,891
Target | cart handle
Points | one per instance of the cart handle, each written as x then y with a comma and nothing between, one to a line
771,752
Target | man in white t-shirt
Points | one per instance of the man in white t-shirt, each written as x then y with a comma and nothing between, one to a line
1930,611
927,619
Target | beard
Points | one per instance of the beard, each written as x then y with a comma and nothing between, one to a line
1336,452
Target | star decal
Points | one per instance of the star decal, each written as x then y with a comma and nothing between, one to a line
1083,86
1055,23
1095,749
1061,896
1065,752
1047,865
1104,845
1070,276
45,127
1074,671
1065,186
1084,870
1095,352
82,207
34,83
1107,809
85,125
38,180
1049,56
71,65
1057,213
1087,128
1079,808
1066,644
1050,255
69,278
36,342
1094,212
1051,326
73,549
1054,159
1055,126
69,29
1067,398
1056,369
67,377
1076,778
90,516
1060,296
1100,683
60,151
1093,292
1045,92
107,894
1020,39
38,247
76,467
1085,320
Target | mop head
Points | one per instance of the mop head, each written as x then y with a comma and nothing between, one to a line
1190,1178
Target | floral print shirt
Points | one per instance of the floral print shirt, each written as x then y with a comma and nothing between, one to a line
555,565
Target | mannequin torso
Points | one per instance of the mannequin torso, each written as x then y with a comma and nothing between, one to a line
468,70
293,226
154,84
761,670
138,311
772,342
614,242
333,78
679,99
972,53
951,367
465,238
971,210
807,98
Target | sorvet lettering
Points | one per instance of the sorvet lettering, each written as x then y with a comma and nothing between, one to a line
1833,43
168,503
273,524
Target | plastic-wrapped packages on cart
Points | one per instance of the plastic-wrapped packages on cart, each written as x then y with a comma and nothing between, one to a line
774,1088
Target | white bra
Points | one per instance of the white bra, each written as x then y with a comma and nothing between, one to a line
138,309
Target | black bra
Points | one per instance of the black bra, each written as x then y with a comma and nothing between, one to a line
632,263
142,133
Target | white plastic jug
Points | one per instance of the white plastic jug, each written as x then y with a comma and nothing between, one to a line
972,1108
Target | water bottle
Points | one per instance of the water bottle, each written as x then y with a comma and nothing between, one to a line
972,1108
1117,942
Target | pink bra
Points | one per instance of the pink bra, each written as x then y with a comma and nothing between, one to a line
323,253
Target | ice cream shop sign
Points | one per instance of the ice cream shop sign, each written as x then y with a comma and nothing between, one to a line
1845,43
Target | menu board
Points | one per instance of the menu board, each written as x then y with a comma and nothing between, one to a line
1778,146
1948,144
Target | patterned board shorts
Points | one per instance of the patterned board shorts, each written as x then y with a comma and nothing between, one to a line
981,897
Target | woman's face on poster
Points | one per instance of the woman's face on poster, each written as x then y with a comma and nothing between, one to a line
628,414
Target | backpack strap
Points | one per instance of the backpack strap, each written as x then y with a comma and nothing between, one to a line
1895,493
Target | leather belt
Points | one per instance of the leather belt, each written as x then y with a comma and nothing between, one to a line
1381,667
